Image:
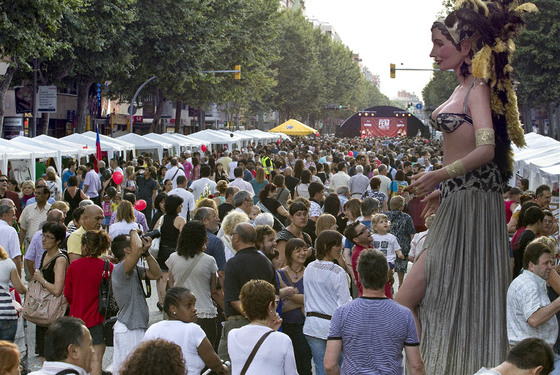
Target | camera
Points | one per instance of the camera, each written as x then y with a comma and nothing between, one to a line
152,234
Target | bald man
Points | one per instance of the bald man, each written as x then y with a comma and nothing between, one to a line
92,219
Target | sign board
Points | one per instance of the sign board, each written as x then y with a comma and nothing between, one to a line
167,109
46,99
418,105
383,127
13,126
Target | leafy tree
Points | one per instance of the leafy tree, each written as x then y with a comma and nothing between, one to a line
27,29
299,71
537,59
439,89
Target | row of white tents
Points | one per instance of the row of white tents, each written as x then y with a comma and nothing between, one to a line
539,162
22,151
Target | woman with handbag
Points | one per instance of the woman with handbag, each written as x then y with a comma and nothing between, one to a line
190,267
82,286
257,348
51,274
8,313
179,305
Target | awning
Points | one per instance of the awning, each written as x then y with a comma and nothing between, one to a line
293,127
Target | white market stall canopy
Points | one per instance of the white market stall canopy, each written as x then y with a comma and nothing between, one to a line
206,139
162,138
238,136
539,162
109,147
82,151
188,142
103,138
36,153
144,143
8,153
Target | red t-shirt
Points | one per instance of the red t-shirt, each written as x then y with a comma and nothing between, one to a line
355,255
81,289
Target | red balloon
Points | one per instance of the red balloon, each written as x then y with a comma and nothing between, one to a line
203,148
140,205
118,177
350,153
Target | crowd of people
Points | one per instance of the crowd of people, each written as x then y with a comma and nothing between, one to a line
305,232
299,278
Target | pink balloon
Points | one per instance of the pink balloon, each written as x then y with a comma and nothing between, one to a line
118,177
350,153
203,148
140,205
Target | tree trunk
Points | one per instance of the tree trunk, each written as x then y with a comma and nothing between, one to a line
557,122
178,112
4,86
201,119
157,116
81,113
45,117
527,120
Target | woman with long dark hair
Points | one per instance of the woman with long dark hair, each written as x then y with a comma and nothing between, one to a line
479,122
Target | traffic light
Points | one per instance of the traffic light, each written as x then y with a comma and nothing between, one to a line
238,72
393,71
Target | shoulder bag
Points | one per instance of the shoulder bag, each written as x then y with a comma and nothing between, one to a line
254,352
41,306
107,305
106,301
188,271
154,247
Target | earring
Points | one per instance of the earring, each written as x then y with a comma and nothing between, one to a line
174,312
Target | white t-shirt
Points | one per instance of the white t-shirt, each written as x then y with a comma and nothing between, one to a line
198,186
387,244
274,357
485,371
198,281
231,166
385,184
188,336
122,227
6,267
188,200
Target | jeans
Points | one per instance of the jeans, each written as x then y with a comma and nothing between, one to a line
301,347
318,349
8,329
556,370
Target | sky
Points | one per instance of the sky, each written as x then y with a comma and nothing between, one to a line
384,32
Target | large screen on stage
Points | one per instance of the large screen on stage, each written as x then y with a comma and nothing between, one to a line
383,126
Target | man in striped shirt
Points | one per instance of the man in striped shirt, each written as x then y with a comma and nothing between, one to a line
372,330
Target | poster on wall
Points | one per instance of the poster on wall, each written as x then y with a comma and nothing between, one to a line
383,126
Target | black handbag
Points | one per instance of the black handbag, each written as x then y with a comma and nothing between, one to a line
106,303
108,325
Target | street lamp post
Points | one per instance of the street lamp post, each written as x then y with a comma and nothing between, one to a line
131,108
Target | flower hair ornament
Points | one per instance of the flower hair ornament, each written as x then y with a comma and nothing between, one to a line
491,26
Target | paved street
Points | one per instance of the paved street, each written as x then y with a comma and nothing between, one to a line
35,364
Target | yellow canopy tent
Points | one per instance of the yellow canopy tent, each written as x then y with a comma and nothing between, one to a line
293,127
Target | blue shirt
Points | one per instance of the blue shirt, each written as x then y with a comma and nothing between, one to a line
215,248
65,178
374,332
